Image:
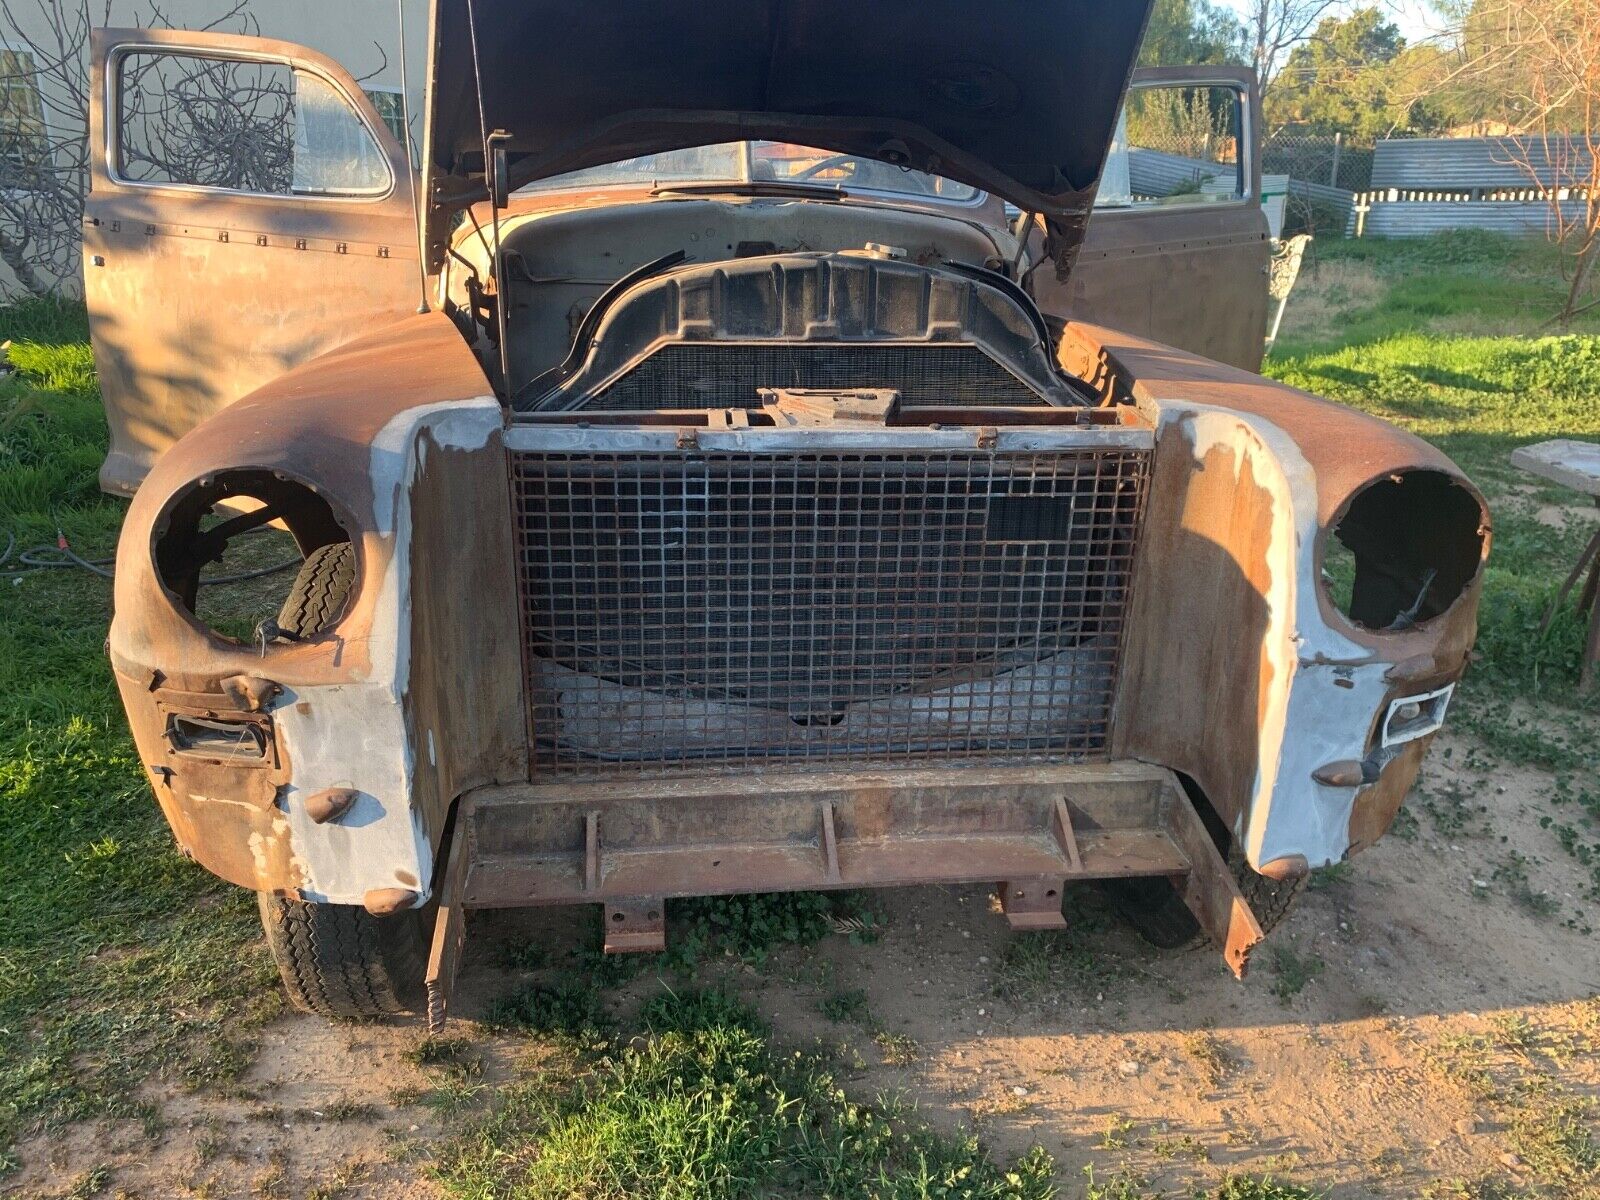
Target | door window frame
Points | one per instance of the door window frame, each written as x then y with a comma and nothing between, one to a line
1150,78
362,109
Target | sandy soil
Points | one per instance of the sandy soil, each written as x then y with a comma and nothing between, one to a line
1118,1056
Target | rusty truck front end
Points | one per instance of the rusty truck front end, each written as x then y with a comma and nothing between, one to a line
788,524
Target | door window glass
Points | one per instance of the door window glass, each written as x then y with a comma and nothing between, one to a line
244,126
1176,146
24,148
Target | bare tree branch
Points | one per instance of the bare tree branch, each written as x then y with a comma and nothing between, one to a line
1276,27
1540,61
44,120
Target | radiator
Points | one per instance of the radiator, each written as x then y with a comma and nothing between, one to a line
731,375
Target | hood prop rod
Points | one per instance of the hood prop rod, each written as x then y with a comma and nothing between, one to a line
415,172
495,177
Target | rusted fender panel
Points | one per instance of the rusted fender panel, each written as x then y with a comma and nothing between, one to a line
1239,671
400,433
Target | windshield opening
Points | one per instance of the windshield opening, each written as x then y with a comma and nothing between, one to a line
763,162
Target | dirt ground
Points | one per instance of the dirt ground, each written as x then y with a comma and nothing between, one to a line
1344,1062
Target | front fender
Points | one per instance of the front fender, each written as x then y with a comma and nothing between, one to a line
1239,671
399,433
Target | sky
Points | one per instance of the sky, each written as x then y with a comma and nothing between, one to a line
1416,18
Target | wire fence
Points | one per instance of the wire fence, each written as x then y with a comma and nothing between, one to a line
1328,159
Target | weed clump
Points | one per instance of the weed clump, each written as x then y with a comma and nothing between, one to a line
702,1105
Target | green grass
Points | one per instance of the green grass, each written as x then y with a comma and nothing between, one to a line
1292,972
1478,399
698,1103
118,959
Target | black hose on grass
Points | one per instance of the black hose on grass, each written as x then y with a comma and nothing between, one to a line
45,557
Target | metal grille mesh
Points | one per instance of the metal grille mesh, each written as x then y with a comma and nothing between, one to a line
728,376
707,608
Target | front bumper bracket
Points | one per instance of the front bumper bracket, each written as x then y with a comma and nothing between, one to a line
632,844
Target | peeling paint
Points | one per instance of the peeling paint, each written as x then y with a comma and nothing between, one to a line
355,735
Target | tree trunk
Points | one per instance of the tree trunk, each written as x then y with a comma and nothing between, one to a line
1580,277
15,256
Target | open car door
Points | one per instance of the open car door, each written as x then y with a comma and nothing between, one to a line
248,211
1177,247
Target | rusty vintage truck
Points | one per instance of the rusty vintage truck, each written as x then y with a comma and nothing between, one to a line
753,447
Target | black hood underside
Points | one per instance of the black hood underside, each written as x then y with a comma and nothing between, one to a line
1018,97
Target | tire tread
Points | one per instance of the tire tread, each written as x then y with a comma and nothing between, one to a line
341,961
320,590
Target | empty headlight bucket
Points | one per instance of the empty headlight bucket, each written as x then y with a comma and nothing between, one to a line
231,550
1404,549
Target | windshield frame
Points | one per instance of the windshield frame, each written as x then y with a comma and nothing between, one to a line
556,185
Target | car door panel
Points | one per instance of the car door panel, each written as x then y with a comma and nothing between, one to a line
199,293
1191,275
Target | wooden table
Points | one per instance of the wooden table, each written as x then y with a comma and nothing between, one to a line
1574,465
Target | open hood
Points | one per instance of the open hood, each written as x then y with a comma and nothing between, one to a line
1018,97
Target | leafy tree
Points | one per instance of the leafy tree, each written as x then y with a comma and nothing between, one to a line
1343,78
1192,31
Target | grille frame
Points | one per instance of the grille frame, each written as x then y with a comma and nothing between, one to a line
644,647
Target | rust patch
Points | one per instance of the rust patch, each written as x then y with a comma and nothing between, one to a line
1194,701
1376,805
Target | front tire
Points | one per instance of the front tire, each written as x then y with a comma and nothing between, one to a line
338,960
1154,908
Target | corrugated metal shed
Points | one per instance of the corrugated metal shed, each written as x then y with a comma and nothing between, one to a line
1156,173
1463,164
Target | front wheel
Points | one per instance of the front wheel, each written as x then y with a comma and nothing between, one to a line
1157,911
338,960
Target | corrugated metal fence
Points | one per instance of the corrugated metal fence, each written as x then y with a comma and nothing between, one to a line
1473,164
1427,185
1156,173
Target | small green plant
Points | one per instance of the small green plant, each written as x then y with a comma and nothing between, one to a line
899,1050
1512,875
1118,1133
1123,1184
847,1007
1292,972
455,1054
1262,1187
1476,1187
1216,1061
526,956
1331,876
91,1183
569,1009
750,928
1187,1146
